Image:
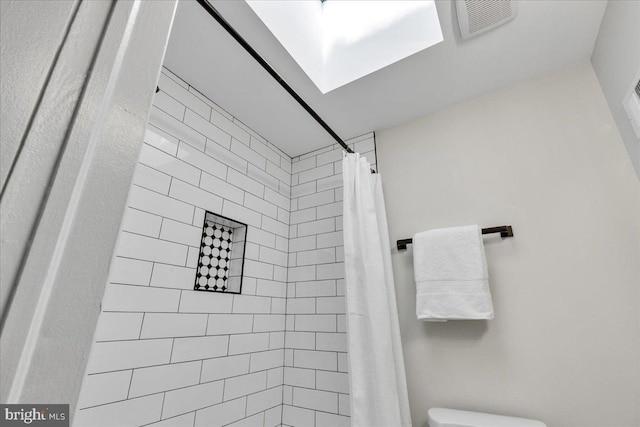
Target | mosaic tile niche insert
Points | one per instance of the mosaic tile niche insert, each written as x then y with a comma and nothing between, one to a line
221,260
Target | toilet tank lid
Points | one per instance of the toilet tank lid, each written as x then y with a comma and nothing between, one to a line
441,417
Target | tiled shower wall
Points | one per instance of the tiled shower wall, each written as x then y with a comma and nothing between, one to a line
316,381
166,355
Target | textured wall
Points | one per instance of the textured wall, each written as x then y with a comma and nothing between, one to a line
316,390
31,35
544,156
164,351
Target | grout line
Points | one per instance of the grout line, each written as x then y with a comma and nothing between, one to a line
224,384
153,265
130,382
227,334
154,105
318,410
164,395
155,215
141,326
173,76
179,302
173,342
183,163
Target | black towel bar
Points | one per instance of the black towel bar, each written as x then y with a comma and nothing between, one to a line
504,230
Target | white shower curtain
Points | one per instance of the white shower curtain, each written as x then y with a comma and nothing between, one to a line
378,383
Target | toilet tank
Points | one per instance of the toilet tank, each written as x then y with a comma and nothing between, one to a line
441,417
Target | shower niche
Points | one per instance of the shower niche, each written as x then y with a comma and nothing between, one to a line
221,259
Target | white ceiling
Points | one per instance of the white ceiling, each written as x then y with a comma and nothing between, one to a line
544,37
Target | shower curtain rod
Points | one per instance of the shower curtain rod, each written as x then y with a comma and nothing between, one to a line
251,51
504,230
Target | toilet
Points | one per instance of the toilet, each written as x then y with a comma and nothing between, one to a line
441,417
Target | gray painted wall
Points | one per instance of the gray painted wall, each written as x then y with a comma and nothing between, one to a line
616,60
544,156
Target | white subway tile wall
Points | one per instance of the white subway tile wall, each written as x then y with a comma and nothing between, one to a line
164,353
316,381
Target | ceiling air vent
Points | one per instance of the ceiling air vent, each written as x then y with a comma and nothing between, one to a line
477,16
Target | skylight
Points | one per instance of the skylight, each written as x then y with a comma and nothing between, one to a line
339,41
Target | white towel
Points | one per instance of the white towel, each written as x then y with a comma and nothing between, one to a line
451,276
